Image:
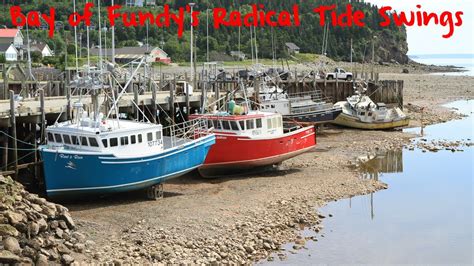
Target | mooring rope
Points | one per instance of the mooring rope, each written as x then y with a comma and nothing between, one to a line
16,139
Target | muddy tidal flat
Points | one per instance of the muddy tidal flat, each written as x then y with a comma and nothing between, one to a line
252,218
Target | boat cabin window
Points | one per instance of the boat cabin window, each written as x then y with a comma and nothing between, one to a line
209,124
259,123
269,123
67,139
84,141
362,113
105,142
226,125
140,138
75,140
250,124
242,124
234,125
274,122
217,124
113,142
158,135
124,141
133,139
93,142
149,136
50,137
58,138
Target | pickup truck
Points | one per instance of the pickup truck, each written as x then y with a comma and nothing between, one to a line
339,73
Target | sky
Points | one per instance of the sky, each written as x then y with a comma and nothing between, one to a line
428,39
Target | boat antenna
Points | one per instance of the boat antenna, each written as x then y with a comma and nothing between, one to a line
207,35
75,40
100,36
251,44
256,45
113,40
88,47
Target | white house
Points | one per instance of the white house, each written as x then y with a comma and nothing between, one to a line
9,51
43,48
8,36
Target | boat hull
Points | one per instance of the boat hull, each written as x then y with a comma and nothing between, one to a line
233,153
70,173
350,121
315,117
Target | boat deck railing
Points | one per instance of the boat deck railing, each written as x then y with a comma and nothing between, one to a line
315,95
186,131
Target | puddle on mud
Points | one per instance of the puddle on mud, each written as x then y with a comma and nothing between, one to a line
424,217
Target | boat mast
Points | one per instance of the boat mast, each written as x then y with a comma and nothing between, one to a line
113,41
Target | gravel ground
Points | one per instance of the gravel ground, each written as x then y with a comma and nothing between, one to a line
248,218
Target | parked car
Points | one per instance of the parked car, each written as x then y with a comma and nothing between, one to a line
339,73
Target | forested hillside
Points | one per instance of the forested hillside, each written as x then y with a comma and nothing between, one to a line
389,42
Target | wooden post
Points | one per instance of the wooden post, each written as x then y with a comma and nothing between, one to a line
68,106
135,99
217,93
13,131
171,98
186,90
153,103
43,116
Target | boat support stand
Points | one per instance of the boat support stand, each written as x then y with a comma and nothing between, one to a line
155,192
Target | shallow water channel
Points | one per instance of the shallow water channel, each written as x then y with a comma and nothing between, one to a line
424,217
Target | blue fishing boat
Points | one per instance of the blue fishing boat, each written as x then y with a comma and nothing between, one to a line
95,154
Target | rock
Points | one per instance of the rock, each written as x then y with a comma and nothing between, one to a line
79,247
297,247
68,219
67,259
54,224
8,230
11,244
63,225
78,236
43,225
14,218
33,228
249,249
42,260
405,71
7,257
300,242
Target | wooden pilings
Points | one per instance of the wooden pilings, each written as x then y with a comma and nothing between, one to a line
13,132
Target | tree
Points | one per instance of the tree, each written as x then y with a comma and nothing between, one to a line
36,56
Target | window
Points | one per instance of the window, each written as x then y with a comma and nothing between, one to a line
84,141
105,142
242,124
133,139
58,138
259,123
218,124
124,141
140,138
50,137
67,139
250,124
362,113
209,124
226,125
93,142
273,106
274,122
280,122
234,125
149,136
269,123
158,135
75,140
113,142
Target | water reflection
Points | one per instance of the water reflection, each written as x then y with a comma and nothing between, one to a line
388,162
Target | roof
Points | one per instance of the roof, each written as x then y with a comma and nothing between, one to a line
4,47
292,46
8,33
128,51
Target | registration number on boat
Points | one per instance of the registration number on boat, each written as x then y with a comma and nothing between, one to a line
155,143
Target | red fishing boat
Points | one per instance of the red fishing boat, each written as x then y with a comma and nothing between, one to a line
251,140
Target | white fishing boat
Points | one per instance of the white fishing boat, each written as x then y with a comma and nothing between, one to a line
359,111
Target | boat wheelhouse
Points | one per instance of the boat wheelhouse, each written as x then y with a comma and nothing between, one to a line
252,140
307,107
